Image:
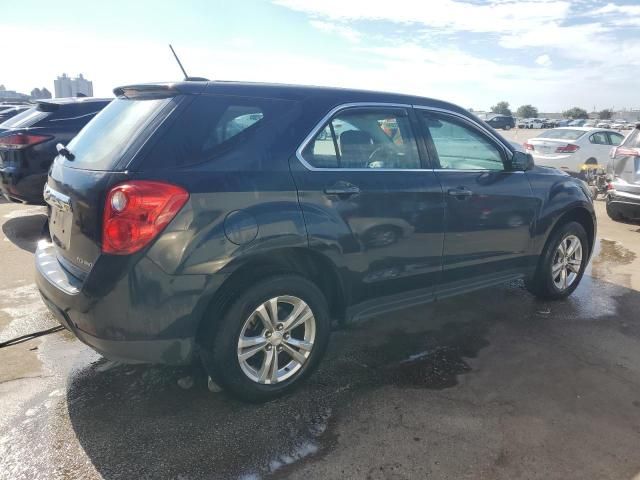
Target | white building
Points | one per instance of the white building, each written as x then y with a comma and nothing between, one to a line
73,87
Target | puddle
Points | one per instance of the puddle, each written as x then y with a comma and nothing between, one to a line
610,257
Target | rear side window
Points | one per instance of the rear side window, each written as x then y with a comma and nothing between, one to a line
103,141
213,125
599,138
562,133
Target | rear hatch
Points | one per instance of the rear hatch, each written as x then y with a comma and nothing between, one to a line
93,162
624,165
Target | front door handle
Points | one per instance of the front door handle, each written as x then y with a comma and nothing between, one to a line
342,190
460,192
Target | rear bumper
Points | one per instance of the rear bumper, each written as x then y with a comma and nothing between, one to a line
627,203
111,323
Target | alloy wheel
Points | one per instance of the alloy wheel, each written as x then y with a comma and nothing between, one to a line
276,340
567,261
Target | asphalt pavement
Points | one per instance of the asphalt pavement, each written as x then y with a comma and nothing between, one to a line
490,385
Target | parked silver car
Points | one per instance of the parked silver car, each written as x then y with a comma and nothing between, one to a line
623,195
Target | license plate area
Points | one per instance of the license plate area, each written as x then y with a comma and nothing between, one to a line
60,218
60,224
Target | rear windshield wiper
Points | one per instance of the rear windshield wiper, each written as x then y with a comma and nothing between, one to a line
65,152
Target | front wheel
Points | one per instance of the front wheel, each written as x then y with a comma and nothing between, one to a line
270,339
562,263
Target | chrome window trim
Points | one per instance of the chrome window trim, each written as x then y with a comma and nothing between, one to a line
316,129
333,112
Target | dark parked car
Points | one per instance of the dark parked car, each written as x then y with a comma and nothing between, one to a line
505,122
623,194
8,111
229,222
28,143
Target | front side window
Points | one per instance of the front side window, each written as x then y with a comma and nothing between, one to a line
365,138
460,147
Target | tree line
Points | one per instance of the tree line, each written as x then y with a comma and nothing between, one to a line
529,111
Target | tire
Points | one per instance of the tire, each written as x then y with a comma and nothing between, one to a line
507,127
543,284
221,351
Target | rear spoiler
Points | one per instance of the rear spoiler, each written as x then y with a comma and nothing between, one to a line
47,106
160,90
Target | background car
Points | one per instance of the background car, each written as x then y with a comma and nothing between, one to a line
8,111
605,124
579,122
623,195
522,122
563,123
504,122
535,123
619,124
571,148
28,143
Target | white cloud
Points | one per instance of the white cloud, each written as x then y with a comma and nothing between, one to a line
544,60
347,33
495,16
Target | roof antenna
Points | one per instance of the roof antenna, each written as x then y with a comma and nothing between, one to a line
186,77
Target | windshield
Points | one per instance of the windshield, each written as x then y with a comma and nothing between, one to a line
562,133
103,141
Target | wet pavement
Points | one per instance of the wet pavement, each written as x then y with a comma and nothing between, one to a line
493,384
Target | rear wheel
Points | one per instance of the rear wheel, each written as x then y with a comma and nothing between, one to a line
270,339
562,263
507,127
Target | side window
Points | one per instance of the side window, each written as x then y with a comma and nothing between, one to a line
615,138
459,147
599,138
365,138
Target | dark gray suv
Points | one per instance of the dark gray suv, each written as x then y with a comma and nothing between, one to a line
231,223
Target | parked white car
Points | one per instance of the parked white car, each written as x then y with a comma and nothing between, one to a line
619,124
605,124
571,148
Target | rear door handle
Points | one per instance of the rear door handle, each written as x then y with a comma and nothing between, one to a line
460,192
342,190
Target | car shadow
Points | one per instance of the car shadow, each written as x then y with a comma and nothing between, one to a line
136,421
25,231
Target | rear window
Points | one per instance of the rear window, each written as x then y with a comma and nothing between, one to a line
103,141
25,119
214,125
633,140
562,133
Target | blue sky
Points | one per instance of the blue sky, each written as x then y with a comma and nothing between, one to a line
551,53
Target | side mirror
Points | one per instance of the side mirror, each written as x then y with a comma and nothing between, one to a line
521,162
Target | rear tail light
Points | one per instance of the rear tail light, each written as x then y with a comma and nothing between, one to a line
17,141
626,152
568,148
136,212
528,146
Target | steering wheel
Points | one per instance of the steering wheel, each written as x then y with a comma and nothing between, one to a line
382,157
